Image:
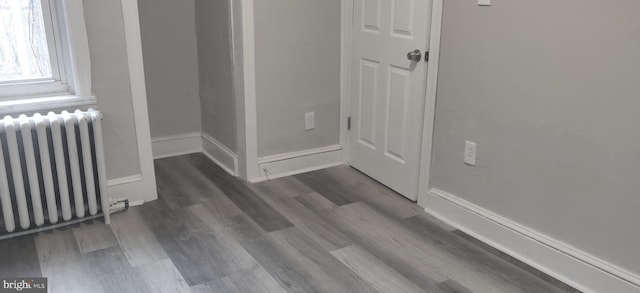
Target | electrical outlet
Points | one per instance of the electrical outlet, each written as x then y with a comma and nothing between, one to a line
470,153
309,120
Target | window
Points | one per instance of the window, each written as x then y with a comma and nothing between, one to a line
44,58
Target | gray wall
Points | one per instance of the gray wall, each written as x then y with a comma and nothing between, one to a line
218,105
550,91
171,66
110,82
297,71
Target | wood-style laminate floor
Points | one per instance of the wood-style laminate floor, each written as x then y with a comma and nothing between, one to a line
334,230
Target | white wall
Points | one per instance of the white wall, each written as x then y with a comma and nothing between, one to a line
111,85
213,26
171,66
549,91
297,45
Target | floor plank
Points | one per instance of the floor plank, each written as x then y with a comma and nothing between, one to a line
449,286
169,185
276,262
344,185
433,220
386,240
328,187
187,241
285,187
374,193
163,277
376,272
135,238
327,273
94,235
304,219
222,285
60,262
315,201
261,281
251,204
234,254
110,268
191,180
127,280
18,258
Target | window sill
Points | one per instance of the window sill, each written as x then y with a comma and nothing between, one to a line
45,104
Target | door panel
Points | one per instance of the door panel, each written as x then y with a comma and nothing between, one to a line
397,113
367,106
403,18
388,90
371,16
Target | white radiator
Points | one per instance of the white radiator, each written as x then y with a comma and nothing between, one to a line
51,169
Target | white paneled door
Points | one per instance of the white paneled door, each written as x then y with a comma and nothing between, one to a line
388,90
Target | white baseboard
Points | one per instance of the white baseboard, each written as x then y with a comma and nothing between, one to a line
175,145
559,260
288,164
133,188
196,142
220,154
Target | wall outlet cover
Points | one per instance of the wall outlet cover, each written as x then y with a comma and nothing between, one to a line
309,120
470,153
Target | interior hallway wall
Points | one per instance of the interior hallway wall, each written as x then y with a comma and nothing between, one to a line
171,66
111,85
297,45
218,104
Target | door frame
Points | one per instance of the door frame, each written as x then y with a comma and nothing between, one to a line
242,29
243,50
243,15
144,184
430,95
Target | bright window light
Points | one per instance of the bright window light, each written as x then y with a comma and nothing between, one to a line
24,49
44,56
